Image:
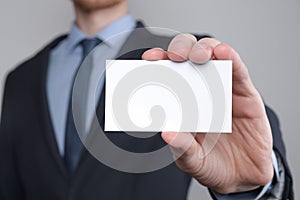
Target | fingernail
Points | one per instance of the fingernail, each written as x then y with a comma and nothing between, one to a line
201,46
179,45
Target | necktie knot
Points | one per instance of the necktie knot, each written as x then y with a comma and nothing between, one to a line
88,45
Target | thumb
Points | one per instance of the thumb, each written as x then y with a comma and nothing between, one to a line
185,149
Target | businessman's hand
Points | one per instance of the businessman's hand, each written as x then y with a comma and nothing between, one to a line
240,161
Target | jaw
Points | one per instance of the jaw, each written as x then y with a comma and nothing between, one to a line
94,5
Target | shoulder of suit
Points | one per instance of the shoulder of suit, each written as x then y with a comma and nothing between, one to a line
29,65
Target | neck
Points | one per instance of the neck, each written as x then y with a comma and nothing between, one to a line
91,22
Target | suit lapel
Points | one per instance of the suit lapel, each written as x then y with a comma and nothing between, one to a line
41,64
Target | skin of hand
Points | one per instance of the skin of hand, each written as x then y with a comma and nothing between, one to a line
240,161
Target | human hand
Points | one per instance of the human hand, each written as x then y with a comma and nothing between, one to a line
240,161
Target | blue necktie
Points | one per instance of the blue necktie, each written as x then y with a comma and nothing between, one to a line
73,144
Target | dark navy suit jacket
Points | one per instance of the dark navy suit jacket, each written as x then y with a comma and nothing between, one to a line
31,167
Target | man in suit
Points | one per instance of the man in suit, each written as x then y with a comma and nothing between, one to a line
41,157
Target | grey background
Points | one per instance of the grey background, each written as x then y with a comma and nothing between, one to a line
266,34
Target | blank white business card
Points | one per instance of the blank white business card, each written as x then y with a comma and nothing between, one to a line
163,95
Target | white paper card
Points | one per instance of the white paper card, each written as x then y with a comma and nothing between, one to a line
167,96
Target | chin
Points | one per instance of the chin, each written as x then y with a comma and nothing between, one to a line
91,5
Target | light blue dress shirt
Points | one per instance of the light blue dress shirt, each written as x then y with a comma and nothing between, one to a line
64,61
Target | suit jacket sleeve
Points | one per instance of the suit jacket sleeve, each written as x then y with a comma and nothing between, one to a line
279,149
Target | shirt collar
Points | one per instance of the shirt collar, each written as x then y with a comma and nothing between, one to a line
123,24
